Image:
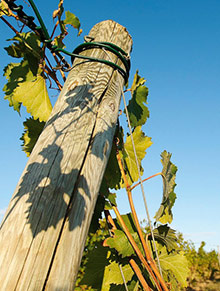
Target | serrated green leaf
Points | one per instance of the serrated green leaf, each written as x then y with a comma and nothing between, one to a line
33,95
14,51
112,275
72,20
120,243
26,45
33,129
141,142
165,236
138,81
137,109
129,222
176,263
164,214
15,73
95,267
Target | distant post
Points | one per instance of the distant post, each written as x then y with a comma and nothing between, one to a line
43,232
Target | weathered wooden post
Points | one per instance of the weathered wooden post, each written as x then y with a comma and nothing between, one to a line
43,233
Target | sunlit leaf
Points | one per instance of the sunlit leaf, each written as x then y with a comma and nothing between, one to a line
26,45
141,143
175,262
138,81
72,20
15,73
112,275
164,214
137,108
129,222
120,242
33,95
33,129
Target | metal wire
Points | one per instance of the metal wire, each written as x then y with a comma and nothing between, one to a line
139,174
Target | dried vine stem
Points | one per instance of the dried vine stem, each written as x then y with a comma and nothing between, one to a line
131,261
155,175
147,264
146,249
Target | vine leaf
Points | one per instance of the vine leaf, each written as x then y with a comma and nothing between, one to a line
120,242
27,46
164,214
165,236
176,263
141,143
33,94
138,81
137,109
112,275
33,129
94,272
72,20
14,73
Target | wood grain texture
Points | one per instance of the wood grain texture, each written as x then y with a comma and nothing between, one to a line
43,233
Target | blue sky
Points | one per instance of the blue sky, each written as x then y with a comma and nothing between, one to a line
177,49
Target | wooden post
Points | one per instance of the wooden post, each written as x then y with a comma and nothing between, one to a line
43,233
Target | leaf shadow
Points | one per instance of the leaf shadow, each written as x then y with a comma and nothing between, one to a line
43,187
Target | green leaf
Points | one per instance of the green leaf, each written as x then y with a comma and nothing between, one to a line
33,129
141,143
138,81
112,275
120,243
95,267
176,263
164,214
72,20
137,109
129,222
166,236
33,94
15,73
26,45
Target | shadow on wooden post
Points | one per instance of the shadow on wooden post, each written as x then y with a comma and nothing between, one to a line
43,233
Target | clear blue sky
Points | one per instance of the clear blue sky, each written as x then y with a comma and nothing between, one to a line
177,49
